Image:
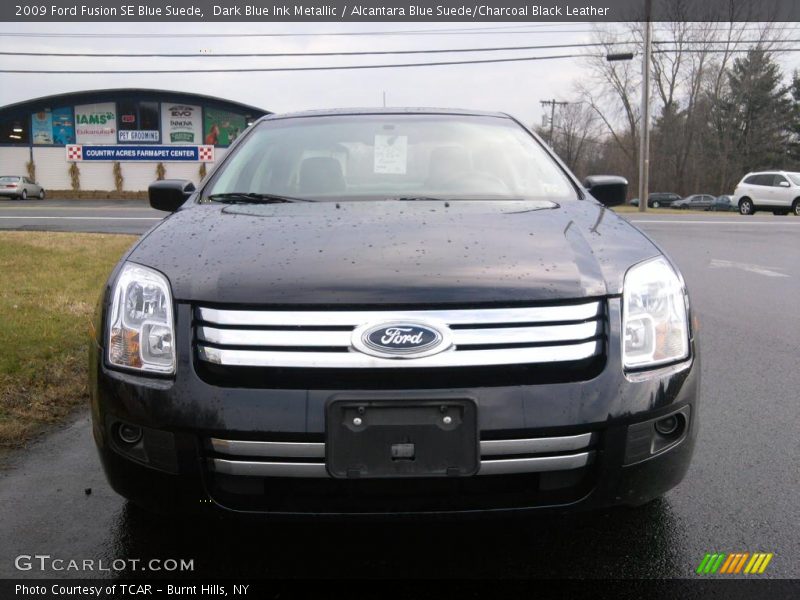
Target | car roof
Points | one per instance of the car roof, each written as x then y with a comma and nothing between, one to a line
771,172
383,111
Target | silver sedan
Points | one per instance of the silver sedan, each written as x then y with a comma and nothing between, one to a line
15,186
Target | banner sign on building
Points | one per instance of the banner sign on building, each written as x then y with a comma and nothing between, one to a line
42,127
96,123
63,126
181,123
139,135
151,153
222,127
55,126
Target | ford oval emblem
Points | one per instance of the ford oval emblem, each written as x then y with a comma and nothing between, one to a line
401,339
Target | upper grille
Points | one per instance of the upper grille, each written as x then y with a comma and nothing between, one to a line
322,339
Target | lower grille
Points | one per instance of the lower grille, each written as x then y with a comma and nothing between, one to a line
307,459
290,477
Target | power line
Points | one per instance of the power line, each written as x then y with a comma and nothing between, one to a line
493,30
284,69
372,52
526,28
335,53
357,67
728,50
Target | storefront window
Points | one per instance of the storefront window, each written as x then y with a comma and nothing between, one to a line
138,122
15,131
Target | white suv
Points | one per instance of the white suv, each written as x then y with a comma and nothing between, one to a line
778,191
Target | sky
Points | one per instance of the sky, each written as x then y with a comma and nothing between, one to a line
516,88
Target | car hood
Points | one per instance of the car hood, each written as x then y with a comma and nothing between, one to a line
393,252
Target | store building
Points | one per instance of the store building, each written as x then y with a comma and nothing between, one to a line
120,139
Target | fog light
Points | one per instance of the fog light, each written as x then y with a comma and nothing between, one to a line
130,434
668,426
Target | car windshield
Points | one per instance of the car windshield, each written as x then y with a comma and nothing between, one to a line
390,157
795,177
9,179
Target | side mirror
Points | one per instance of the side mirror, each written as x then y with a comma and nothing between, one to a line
783,184
609,190
169,194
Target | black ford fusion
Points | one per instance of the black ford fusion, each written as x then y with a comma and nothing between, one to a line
388,312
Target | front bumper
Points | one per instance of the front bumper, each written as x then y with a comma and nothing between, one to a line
579,445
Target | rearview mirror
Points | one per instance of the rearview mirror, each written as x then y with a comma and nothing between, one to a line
609,190
169,194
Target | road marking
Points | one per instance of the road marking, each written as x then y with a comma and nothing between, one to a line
717,263
681,221
88,218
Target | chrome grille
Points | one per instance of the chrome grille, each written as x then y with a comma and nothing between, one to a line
306,459
322,339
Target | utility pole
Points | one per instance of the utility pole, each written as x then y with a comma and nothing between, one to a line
552,104
644,129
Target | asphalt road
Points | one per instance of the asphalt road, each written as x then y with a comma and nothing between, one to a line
93,216
741,493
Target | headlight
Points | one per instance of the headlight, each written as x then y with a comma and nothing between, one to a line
141,331
654,321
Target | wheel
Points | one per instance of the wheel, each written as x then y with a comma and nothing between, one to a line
41,194
796,207
746,206
656,204
24,194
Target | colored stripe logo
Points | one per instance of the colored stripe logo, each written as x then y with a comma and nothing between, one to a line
734,563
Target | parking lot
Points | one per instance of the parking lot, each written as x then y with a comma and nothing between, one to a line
739,495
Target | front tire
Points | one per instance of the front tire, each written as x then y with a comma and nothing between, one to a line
24,195
41,195
656,204
746,206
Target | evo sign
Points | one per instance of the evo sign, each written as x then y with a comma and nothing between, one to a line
181,123
151,153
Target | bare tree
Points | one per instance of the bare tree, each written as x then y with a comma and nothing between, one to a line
576,132
691,149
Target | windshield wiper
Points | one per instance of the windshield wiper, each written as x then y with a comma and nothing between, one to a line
254,198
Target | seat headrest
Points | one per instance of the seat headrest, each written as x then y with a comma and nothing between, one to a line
321,175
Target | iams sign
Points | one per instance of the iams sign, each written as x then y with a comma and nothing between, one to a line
94,118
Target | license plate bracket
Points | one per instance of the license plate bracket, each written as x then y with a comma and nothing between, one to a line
409,438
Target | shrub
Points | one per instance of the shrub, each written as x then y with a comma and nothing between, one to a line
119,180
75,176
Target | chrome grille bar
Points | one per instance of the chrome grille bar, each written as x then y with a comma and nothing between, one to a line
333,339
269,449
535,445
533,314
480,337
355,360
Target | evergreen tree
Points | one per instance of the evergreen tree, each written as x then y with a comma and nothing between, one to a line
757,111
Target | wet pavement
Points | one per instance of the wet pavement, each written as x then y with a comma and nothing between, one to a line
740,495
